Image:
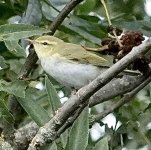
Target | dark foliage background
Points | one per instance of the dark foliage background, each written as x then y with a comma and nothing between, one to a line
87,25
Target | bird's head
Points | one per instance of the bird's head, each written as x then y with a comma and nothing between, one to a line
46,45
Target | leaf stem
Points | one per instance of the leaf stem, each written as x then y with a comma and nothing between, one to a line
106,11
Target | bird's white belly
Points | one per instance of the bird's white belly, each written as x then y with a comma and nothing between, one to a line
70,74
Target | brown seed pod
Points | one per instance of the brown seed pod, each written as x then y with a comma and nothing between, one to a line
113,47
129,40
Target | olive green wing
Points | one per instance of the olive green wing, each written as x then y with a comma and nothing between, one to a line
78,53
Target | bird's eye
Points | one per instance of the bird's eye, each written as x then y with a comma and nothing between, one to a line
45,43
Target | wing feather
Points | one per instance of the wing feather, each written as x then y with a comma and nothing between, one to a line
77,52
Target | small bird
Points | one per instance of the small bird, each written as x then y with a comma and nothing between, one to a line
70,64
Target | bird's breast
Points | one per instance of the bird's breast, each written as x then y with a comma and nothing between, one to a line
70,73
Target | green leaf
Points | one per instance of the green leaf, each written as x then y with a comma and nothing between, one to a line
148,107
15,48
86,6
16,88
2,63
53,97
4,113
64,138
53,146
34,110
78,136
143,26
83,33
91,31
30,16
122,129
18,31
90,26
102,144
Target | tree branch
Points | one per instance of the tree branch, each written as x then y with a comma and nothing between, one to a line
6,145
115,88
119,88
63,14
70,120
126,98
48,131
24,135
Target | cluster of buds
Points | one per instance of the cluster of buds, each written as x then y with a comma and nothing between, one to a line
121,47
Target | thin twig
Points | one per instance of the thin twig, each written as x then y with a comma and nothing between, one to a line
118,40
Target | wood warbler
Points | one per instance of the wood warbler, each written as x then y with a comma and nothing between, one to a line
68,63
